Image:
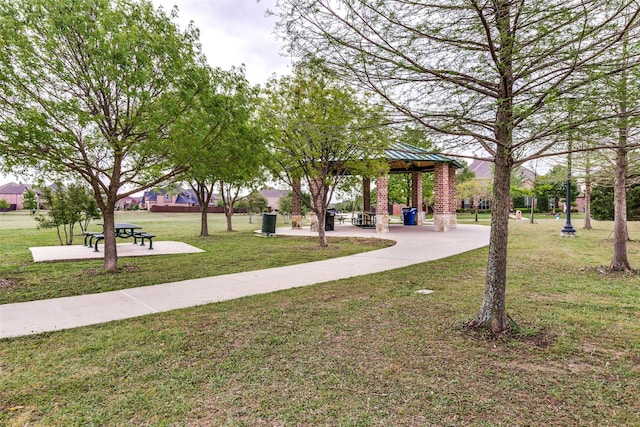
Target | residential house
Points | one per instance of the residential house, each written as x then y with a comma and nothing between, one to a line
273,197
484,170
14,194
127,202
180,197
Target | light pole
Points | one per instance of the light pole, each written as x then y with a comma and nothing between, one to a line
568,230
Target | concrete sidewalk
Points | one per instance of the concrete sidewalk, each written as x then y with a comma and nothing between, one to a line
413,245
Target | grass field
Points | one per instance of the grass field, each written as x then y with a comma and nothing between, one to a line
366,351
226,252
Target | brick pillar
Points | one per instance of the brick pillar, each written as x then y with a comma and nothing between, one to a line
444,216
453,218
416,196
296,206
366,194
382,204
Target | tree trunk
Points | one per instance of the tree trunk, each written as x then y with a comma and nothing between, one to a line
620,234
110,248
492,313
319,206
476,211
587,198
322,236
203,194
204,222
533,205
228,212
620,261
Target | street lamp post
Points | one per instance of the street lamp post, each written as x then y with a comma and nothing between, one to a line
568,230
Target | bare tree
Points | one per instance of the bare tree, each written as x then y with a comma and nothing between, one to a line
491,78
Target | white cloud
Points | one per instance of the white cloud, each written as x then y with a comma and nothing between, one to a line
234,32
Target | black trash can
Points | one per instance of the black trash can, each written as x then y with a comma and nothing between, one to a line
269,223
409,216
329,220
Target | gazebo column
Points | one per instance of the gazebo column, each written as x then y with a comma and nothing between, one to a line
416,195
453,221
296,205
382,204
366,194
444,215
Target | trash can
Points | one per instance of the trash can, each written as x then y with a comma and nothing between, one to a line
409,216
329,220
269,223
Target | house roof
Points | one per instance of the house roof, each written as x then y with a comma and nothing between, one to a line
405,158
482,170
270,192
150,196
13,188
183,198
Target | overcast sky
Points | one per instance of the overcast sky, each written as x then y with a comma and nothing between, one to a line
234,32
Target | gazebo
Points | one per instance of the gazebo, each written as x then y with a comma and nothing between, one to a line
407,159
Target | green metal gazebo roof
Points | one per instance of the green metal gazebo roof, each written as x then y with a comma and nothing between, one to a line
405,158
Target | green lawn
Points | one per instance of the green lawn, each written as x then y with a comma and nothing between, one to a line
226,252
367,351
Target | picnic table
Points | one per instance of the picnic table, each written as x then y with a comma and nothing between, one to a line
365,220
122,230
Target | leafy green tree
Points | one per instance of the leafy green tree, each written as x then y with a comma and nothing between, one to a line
94,89
68,205
320,132
30,200
4,205
253,203
554,186
350,191
477,190
286,203
603,207
487,77
400,189
602,202
464,175
221,141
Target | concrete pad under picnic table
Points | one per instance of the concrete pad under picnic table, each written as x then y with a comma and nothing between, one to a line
77,252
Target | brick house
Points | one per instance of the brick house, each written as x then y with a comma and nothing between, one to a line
181,197
273,197
483,171
14,194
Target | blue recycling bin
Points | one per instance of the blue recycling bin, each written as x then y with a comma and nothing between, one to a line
409,216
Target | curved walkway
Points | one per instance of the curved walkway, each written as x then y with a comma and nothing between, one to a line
414,245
